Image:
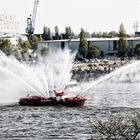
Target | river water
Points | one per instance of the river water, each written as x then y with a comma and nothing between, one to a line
46,123
64,123
118,93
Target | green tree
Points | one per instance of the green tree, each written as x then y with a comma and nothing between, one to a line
45,50
122,43
6,46
56,31
83,45
93,52
46,33
94,34
34,41
137,51
25,46
56,34
113,34
17,53
105,35
68,33
87,34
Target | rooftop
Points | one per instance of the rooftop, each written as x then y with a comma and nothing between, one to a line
90,39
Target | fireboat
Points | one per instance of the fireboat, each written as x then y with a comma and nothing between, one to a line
61,98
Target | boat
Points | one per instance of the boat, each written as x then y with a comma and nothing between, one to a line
72,87
60,99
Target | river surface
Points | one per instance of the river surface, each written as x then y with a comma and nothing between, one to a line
64,123
50,123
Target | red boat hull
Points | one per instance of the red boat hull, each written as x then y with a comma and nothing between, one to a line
42,101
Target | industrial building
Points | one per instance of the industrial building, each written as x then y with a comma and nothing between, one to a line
108,45
8,23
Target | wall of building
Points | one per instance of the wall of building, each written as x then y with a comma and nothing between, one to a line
73,45
108,45
102,45
135,42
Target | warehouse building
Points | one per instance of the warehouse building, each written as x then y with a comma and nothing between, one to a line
108,45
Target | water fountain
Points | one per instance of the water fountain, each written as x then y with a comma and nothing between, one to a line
18,79
117,89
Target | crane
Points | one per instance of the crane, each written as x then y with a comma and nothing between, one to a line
31,21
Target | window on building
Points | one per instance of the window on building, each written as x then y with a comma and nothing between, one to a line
62,45
115,43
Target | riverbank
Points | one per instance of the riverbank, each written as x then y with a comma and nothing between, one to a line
93,70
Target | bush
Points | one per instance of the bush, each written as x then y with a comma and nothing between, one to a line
117,128
89,65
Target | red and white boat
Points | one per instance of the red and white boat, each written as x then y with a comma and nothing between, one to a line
61,98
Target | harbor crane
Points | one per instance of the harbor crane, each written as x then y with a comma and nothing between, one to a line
31,21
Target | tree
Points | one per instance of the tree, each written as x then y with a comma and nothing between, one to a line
94,34
113,34
93,52
83,45
105,34
45,50
137,51
56,31
25,46
87,34
34,41
56,36
117,128
6,46
17,53
46,33
122,43
68,33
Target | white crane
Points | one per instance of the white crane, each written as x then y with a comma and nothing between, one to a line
31,21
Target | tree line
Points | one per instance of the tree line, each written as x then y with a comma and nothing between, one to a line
124,49
69,34
24,49
27,49
91,51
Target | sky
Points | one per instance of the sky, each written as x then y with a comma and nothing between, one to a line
91,15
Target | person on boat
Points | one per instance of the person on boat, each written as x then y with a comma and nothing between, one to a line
64,96
57,97
60,96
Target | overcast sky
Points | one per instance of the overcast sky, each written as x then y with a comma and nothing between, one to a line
92,15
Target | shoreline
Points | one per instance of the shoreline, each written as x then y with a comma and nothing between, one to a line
93,70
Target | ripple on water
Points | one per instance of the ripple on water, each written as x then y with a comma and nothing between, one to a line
50,122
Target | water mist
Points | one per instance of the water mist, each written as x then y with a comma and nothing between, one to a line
18,80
